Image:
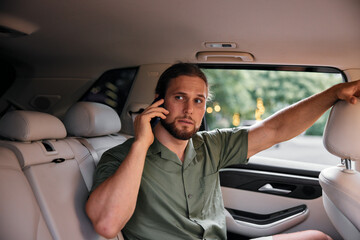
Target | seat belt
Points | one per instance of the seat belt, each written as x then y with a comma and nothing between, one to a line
88,178
84,165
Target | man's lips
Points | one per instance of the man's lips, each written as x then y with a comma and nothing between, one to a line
186,121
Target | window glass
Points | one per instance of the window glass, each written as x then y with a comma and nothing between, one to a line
112,88
242,97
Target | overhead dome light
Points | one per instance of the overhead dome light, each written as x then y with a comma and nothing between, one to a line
220,45
221,56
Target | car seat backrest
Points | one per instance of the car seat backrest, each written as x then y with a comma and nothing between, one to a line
20,216
340,184
51,168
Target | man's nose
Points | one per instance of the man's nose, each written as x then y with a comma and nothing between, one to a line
189,107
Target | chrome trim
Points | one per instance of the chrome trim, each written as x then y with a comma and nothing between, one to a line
274,224
268,188
316,180
347,163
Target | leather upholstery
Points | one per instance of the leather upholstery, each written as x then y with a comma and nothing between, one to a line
341,135
35,153
100,137
48,186
44,180
341,195
20,216
31,126
341,198
89,119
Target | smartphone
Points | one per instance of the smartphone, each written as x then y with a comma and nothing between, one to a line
155,120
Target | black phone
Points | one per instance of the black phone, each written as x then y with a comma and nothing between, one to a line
155,120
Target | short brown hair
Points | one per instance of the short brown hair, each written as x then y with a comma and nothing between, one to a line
176,70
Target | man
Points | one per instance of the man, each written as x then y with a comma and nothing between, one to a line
164,184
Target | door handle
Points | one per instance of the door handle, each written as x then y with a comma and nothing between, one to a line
268,188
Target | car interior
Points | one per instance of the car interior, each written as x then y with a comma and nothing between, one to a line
74,75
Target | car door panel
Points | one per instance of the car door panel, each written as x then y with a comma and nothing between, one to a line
262,202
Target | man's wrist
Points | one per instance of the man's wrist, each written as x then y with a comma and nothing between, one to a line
333,93
141,145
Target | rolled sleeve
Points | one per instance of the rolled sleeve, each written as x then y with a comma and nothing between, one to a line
110,162
227,146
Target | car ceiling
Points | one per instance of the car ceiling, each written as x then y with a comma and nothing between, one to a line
81,38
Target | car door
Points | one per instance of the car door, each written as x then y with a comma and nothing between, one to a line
267,197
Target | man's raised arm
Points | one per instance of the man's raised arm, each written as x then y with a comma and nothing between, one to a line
296,118
113,202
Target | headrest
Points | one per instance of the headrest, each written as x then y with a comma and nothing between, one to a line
90,119
342,131
31,126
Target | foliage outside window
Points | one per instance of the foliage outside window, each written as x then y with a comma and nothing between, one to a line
242,97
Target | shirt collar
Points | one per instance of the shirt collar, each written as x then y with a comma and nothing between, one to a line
165,153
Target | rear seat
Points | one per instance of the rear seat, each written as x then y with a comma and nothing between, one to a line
96,126
52,167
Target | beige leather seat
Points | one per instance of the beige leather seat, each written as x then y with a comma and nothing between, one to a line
99,124
97,127
51,167
341,184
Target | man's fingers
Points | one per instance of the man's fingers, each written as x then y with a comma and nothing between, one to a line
350,99
353,100
156,110
350,92
152,113
157,103
152,109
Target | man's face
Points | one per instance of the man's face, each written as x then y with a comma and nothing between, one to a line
185,99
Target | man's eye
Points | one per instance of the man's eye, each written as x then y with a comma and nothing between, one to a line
179,97
198,100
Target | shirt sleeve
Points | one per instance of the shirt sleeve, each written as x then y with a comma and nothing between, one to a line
227,146
110,162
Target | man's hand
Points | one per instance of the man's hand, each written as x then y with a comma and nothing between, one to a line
142,127
349,92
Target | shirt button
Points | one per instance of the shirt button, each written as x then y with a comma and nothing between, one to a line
190,196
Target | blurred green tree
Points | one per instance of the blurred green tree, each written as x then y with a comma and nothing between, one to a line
236,92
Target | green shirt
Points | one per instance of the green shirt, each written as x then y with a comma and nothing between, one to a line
180,200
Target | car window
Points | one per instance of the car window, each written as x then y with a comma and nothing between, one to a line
112,88
241,97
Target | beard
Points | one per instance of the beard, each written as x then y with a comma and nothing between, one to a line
178,133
